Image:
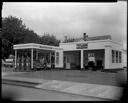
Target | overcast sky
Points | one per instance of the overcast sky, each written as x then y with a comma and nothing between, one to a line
72,19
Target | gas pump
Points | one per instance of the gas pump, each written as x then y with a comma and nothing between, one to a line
28,64
22,63
25,63
18,60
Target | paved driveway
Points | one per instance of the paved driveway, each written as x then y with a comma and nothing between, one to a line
92,77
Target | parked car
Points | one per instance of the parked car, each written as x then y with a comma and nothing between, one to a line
90,65
8,63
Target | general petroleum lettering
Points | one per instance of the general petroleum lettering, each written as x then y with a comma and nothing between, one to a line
82,46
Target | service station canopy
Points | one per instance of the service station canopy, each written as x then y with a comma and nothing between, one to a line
36,46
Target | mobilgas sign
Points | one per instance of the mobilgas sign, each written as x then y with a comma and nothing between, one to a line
45,47
82,46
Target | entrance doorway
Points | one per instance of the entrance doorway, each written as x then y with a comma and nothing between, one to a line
99,64
97,56
66,62
72,59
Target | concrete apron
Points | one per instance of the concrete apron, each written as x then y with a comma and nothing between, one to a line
85,89
100,91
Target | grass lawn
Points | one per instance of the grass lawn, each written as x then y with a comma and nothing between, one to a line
93,77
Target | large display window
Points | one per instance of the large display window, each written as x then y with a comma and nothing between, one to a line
116,56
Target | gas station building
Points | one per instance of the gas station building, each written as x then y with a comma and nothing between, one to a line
32,55
102,50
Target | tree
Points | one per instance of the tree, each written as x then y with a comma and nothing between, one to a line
7,48
47,39
15,32
66,40
12,29
30,37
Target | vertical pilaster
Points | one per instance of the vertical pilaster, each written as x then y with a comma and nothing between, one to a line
61,59
15,57
55,59
50,59
108,57
82,59
32,58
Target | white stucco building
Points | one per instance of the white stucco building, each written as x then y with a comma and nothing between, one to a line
102,50
32,55
124,58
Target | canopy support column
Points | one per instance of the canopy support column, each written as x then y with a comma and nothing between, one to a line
50,60
15,57
32,58
81,59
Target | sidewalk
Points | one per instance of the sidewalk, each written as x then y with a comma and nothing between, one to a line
85,89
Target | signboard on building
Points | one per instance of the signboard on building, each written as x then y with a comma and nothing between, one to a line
82,46
45,47
91,59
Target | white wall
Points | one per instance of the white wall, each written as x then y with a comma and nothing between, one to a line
108,57
124,58
114,46
91,45
60,65
101,44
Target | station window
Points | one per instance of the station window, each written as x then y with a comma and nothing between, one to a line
57,53
116,56
90,54
57,57
67,59
52,53
113,56
119,57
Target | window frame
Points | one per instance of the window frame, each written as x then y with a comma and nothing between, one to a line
57,58
120,57
117,57
113,56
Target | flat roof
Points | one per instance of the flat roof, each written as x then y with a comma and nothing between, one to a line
35,46
93,41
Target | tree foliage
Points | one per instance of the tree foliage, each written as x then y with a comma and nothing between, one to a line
6,48
66,40
30,36
48,39
14,31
